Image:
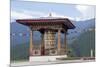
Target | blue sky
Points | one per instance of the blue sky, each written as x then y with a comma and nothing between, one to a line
31,9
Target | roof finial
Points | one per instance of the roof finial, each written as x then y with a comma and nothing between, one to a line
50,15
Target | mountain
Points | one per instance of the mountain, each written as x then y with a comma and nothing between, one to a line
17,30
20,34
81,27
82,46
79,39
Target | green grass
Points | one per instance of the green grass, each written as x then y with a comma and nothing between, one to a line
19,52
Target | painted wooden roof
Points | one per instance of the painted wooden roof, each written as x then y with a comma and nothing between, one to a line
47,20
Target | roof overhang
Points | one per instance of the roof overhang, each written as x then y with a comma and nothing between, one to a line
63,21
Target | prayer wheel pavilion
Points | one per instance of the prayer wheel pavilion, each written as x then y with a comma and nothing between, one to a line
48,27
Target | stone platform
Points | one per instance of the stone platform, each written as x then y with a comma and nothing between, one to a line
45,58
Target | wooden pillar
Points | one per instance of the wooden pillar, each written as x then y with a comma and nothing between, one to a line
31,42
42,45
59,43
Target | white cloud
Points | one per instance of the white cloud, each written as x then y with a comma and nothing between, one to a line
25,14
19,15
87,12
60,15
34,13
